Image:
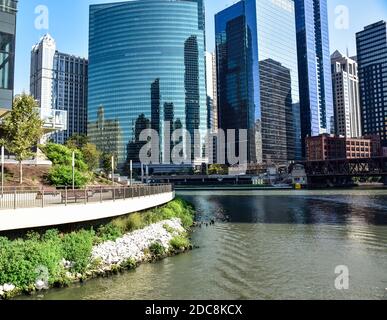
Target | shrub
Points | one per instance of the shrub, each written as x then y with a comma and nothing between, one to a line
134,222
62,156
109,232
179,243
169,229
63,176
129,264
157,249
77,247
22,262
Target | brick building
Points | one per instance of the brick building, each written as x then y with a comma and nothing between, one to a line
330,147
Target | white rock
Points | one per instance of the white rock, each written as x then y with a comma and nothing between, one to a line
1,293
40,285
1,288
132,245
8,287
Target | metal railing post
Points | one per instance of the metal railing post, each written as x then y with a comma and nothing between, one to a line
66,196
114,193
86,199
14,199
42,197
100,195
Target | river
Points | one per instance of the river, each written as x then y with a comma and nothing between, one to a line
277,245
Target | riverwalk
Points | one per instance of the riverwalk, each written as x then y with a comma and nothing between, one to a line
25,209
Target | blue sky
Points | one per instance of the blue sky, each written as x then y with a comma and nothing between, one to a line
68,24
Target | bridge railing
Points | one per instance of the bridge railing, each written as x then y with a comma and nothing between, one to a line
18,198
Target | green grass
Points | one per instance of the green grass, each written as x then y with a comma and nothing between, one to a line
177,208
22,260
157,249
180,243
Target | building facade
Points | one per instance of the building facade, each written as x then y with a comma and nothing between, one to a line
372,59
331,147
345,82
58,81
8,11
212,98
147,58
257,72
316,97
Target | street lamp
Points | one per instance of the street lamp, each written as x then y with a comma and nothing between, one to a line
73,166
131,172
2,170
113,169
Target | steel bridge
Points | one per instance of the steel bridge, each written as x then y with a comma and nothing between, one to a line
346,169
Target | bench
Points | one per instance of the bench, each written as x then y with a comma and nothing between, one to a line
47,192
74,195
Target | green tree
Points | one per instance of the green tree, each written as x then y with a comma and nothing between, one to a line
107,162
217,169
91,155
61,176
22,129
63,156
77,141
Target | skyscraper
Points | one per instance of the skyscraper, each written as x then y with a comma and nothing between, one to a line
58,81
372,59
316,97
8,10
346,96
212,105
257,72
147,59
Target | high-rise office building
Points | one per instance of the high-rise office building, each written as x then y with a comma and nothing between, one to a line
345,82
212,105
8,10
147,65
257,72
58,81
372,60
316,96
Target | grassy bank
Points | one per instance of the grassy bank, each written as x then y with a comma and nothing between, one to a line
60,258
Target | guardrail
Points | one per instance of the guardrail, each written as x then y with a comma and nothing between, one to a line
18,198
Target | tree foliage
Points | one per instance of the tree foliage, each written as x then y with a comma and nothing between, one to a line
63,176
22,129
217,169
77,141
63,156
91,155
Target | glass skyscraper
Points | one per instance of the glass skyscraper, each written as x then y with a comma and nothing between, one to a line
8,10
257,72
146,66
316,95
372,60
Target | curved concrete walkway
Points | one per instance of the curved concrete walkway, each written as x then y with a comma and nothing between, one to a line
59,215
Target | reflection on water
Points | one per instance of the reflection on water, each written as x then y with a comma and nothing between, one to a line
278,245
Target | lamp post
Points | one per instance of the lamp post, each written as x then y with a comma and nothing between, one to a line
73,166
131,172
2,170
113,169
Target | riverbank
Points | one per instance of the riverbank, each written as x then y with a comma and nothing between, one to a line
43,261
